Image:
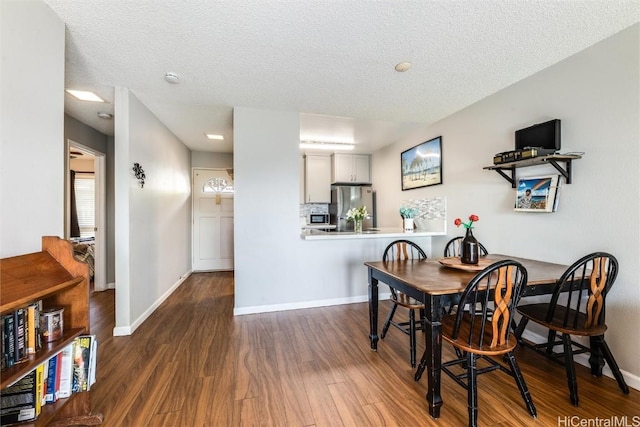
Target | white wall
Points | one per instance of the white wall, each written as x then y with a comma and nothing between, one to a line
153,224
202,159
274,268
596,95
32,152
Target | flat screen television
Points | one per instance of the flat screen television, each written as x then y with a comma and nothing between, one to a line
544,136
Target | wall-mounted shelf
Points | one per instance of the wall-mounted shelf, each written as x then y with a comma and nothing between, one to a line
552,159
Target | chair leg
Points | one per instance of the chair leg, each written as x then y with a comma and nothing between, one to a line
412,337
472,390
421,367
550,339
520,329
571,369
522,385
387,322
608,356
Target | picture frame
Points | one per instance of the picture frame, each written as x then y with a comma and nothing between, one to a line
537,194
421,166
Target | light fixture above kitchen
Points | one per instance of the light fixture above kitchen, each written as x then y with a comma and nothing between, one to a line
83,95
324,145
104,115
214,136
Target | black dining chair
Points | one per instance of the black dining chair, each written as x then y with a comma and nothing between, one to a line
577,307
404,250
479,333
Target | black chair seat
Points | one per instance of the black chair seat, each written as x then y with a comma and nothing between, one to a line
538,313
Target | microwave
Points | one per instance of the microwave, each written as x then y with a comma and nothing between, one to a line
318,218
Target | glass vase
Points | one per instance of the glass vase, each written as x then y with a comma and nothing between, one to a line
357,226
469,249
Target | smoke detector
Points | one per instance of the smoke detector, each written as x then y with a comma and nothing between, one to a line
403,66
172,78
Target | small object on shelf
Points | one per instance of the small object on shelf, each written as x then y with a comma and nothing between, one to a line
51,324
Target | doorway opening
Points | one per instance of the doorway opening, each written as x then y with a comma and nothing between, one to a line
85,209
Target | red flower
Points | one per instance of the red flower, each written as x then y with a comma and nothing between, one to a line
472,218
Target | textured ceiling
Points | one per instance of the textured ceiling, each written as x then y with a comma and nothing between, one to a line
332,60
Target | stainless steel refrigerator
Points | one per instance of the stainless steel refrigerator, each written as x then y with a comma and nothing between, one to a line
345,197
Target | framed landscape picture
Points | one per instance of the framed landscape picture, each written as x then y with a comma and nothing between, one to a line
537,194
422,165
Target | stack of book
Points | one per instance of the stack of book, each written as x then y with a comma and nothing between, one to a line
72,370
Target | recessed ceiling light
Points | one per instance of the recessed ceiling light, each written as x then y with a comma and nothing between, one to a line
172,78
105,116
403,66
85,95
212,136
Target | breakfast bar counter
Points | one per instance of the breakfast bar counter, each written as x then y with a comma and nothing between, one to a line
377,233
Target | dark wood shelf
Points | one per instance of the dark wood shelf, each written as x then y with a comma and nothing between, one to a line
552,159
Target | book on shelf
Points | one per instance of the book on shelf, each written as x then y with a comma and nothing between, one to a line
84,362
34,342
19,328
39,386
66,371
51,394
10,341
18,401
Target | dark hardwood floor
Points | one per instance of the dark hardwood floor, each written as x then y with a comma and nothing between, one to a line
192,363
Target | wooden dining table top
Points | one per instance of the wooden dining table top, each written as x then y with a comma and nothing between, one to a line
431,277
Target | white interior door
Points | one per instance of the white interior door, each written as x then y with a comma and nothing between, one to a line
212,220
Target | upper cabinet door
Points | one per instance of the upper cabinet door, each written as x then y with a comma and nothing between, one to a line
351,169
317,179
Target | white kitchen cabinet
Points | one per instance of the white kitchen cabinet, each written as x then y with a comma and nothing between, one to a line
317,179
351,168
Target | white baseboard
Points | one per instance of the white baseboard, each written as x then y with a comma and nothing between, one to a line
305,304
111,285
632,381
128,330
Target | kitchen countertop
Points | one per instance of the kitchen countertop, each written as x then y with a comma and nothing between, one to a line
377,233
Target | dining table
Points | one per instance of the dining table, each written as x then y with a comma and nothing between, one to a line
430,281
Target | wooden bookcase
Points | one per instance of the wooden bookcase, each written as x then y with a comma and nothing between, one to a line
59,280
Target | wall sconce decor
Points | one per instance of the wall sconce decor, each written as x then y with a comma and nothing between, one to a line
137,169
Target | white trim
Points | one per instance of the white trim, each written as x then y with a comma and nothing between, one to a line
305,304
111,285
120,331
632,381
